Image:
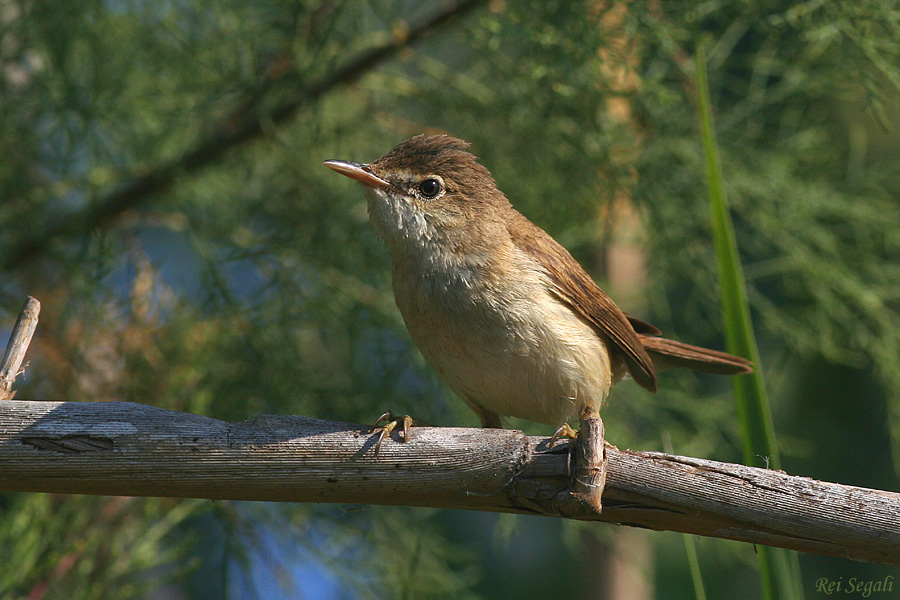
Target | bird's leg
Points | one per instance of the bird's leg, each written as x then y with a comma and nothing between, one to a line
391,423
489,419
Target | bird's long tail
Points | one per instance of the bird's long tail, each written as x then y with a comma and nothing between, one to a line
669,353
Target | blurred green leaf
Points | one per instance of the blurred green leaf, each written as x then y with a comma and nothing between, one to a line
754,414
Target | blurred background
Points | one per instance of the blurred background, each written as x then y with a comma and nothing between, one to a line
162,195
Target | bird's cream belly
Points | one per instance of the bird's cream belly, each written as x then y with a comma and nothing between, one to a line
533,359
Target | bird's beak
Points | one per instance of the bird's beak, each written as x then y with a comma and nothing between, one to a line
361,173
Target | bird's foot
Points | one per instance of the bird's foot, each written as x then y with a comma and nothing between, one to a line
566,431
391,423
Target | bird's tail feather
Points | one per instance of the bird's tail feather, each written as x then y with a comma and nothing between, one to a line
669,353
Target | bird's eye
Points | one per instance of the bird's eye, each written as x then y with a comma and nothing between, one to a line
430,188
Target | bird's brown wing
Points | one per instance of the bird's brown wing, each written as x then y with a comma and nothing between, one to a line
573,286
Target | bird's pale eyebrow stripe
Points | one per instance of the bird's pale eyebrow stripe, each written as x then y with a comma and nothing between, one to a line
406,175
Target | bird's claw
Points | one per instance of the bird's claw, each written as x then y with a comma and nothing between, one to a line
392,422
566,431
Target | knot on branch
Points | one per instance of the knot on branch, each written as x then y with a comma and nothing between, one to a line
71,444
589,464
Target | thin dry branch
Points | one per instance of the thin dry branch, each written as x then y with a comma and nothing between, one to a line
19,340
120,448
228,134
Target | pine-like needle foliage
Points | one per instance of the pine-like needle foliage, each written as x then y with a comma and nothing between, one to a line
243,278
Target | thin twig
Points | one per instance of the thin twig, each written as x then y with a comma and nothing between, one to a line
19,340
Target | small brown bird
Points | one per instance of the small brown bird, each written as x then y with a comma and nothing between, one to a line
503,313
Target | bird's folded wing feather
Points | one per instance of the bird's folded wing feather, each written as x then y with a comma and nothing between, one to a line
574,287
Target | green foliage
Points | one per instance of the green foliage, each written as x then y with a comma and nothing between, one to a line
57,547
255,285
776,566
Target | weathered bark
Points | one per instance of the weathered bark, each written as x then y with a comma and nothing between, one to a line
19,340
121,448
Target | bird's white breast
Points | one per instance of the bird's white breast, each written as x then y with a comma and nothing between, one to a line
512,349
485,320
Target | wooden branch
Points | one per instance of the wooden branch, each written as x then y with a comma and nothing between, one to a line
121,448
19,340
588,464
227,134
